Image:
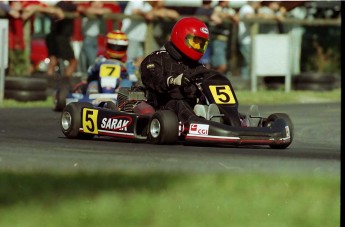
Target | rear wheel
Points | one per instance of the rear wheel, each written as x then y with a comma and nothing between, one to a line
163,127
71,120
273,117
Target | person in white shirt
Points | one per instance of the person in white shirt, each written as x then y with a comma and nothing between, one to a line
136,29
246,11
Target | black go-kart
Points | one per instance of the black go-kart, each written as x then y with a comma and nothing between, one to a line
219,120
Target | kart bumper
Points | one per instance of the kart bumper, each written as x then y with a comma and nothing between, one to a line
204,131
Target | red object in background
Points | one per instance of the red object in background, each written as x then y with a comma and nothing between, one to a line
39,51
16,31
78,34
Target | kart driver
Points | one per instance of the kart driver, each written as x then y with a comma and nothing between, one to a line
116,48
165,73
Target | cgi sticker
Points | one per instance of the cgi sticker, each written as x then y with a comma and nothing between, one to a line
199,129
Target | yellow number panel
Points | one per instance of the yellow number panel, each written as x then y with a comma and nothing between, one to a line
89,121
111,70
222,94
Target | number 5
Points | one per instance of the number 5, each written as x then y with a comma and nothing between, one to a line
89,121
222,94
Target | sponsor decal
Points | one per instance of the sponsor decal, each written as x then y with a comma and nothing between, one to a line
204,30
199,129
118,123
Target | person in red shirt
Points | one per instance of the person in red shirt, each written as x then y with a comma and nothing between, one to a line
20,33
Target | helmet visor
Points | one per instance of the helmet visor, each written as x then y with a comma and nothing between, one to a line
115,47
197,43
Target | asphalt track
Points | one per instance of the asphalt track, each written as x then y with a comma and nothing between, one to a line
31,140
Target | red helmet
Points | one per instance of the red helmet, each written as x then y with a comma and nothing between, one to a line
190,36
117,44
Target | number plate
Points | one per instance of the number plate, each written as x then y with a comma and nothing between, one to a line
222,94
89,120
110,70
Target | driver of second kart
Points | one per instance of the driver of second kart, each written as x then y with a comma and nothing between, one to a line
165,73
112,65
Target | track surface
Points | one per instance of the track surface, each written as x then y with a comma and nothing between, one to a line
31,140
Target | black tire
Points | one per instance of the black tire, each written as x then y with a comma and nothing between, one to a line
25,96
315,78
59,98
70,120
163,128
25,83
273,117
315,86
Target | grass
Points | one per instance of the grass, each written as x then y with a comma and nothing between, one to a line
281,97
244,98
161,199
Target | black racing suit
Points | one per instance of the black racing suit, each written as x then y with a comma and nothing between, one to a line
155,70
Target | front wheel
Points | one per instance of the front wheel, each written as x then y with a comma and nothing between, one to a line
290,133
163,127
71,120
59,98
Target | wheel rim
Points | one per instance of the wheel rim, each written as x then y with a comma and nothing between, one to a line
155,128
66,120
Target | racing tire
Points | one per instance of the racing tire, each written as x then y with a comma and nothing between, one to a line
59,98
314,86
25,95
273,117
163,128
25,83
70,120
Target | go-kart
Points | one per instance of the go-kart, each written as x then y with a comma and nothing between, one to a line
219,120
109,75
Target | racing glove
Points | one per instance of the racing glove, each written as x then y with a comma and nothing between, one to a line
178,80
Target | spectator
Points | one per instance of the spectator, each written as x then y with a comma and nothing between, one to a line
165,72
8,10
221,33
21,14
91,26
58,41
136,29
248,10
206,10
296,31
272,10
161,29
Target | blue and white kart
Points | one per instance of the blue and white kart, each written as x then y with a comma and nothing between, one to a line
109,77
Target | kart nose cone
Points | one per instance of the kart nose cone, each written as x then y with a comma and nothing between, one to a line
66,120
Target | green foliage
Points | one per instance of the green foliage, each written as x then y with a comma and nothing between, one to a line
324,61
